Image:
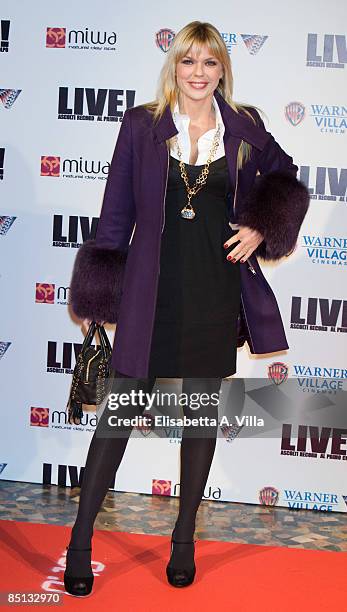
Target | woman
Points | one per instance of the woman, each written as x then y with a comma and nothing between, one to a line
197,189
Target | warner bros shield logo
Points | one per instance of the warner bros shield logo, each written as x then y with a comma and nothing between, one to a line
278,372
164,38
295,113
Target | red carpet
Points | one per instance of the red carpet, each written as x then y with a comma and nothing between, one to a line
131,573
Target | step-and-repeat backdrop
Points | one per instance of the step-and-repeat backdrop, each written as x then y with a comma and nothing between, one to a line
67,73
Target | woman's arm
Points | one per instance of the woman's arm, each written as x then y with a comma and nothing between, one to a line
277,203
97,276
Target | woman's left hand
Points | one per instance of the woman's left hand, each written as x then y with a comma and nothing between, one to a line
249,240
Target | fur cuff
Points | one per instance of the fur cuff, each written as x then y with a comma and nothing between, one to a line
96,283
276,207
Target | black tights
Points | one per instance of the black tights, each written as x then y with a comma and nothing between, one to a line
105,455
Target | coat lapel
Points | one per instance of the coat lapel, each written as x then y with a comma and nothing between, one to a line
237,128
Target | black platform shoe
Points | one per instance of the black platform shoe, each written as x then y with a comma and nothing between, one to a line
80,586
180,577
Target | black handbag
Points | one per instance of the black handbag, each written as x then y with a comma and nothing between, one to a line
90,375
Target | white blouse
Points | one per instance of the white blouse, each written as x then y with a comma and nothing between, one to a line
204,142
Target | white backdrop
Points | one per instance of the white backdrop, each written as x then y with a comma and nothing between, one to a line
289,60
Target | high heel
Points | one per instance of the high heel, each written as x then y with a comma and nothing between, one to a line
80,586
180,577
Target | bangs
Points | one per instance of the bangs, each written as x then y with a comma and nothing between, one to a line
199,39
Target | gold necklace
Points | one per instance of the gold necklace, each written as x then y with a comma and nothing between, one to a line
188,211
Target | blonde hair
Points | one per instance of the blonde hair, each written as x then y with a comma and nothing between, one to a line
198,33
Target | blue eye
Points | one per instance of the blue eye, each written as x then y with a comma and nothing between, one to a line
210,62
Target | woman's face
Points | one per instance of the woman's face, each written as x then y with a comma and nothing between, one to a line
198,75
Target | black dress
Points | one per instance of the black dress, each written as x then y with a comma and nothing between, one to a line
198,297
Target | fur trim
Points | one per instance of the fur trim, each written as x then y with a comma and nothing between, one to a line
96,283
276,207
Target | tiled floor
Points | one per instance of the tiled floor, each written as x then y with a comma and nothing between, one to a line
138,513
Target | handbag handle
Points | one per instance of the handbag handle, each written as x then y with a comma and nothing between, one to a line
89,337
104,340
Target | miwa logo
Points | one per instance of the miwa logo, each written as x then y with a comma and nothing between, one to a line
166,487
45,293
39,417
83,39
161,487
56,167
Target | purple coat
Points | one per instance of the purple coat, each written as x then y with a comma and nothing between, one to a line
115,276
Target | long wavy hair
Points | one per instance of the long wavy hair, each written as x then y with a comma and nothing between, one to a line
198,33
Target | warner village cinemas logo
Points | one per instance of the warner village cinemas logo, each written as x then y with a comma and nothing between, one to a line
253,42
296,499
325,250
329,119
325,183
89,104
319,379
326,51
312,442
72,231
4,35
318,314
165,37
48,293
82,39
56,167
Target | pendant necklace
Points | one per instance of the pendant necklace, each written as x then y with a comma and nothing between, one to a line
188,211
